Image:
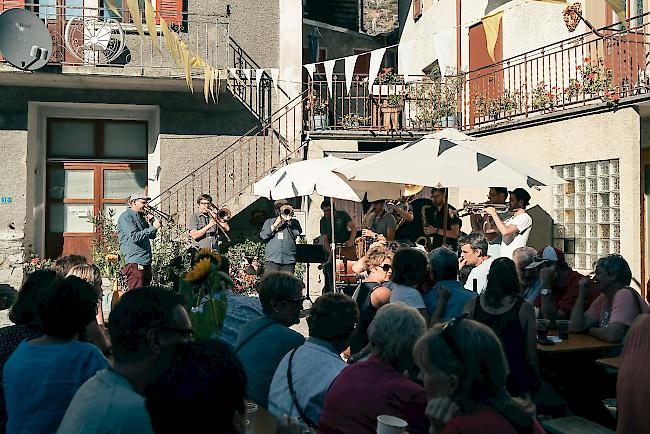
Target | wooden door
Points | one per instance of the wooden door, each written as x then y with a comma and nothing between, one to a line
486,75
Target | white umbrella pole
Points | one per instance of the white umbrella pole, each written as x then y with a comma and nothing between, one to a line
333,246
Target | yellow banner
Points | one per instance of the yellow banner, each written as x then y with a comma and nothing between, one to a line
150,17
112,7
134,10
619,9
491,25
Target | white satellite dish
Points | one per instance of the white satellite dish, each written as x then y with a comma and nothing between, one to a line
25,41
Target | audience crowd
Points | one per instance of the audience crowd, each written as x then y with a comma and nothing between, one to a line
447,343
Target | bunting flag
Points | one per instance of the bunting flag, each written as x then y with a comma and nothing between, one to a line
258,76
443,42
619,8
134,11
113,8
247,74
376,56
350,63
310,70
329,71
150,18
233,73
170,42
206,82
275,74
491,25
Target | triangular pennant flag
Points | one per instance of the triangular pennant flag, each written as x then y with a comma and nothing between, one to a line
376,56
113,8
206,82
619,8
443,43
134,11
444,145
172,46
289,82
247,74
310,70
150,17
235,75
329,71
483,161
491,24
350,63
258,76
275,75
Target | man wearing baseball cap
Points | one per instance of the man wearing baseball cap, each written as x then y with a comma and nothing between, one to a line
516,229
134,233
559,284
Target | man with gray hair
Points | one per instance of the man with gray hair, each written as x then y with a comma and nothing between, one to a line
447,297
528,277
474,251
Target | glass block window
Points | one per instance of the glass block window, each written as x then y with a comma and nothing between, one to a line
587,212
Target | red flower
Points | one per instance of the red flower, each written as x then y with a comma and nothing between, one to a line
587,59
35,261
579,67
549,94
590,76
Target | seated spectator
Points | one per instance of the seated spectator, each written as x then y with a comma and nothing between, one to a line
204,386
262,343
145,327
304,376
370,295
502,308
62,266
366,389
448,296
24,314
465,370
474,251
528,277
95,331
409,270
559,285
43,374
613,312
632,387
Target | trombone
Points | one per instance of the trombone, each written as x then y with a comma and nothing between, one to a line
222,216
170,219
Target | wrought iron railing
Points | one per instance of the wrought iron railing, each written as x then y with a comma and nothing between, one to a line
258,101
608,66
232,171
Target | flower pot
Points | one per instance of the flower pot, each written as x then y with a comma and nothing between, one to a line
447,122
391,117
320,122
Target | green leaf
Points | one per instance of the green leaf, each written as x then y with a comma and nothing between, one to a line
207,319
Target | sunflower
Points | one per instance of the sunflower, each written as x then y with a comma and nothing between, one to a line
111,257
209,254
199,271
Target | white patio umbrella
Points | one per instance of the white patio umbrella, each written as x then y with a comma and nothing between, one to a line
447,158
307,177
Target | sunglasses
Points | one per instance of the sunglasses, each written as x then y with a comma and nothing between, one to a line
449,339
295,301
386,267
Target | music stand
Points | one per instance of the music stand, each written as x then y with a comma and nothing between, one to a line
308,254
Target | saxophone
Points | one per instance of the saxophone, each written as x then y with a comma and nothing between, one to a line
424,240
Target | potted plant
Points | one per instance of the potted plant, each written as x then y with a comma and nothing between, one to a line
354,121
387,83
390,109
543,98
448,90
319,108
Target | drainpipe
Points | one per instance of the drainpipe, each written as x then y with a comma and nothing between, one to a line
362,28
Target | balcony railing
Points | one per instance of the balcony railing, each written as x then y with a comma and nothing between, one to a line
608,66
95,40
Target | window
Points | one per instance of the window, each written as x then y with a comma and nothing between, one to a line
587,212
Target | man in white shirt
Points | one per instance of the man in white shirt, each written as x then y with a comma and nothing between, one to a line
474,251
515,230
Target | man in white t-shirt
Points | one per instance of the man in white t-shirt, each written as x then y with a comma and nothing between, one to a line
474,251
515,230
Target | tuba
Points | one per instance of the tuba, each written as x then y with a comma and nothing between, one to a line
409,194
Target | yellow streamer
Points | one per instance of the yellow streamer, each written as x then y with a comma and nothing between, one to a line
113,8
170,40
206,82
134,10
150,17
185,60
491,25
619,9
212,84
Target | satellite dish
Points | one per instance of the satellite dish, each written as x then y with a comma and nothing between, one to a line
25,41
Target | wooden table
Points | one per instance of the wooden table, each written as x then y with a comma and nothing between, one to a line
576,342
610,362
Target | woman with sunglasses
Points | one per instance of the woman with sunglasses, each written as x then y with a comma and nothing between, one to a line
502,308
464,370
263,342
370,295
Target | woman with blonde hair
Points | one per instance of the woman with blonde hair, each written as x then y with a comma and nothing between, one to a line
370,295
464,370
95,332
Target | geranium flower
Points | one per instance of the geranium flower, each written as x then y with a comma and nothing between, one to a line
587,59
35,261
590,76
199,271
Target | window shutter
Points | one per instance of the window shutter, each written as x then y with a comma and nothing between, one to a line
417,9
171,11
10,4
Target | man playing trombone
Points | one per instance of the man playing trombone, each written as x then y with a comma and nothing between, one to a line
206,228
134,232
279,234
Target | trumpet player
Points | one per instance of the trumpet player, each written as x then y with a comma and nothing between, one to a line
484,224
134,232
516,229
279,234
206,227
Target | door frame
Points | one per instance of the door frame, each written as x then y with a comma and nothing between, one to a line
644,230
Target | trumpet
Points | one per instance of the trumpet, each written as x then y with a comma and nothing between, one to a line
286,212
170,219
479,208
